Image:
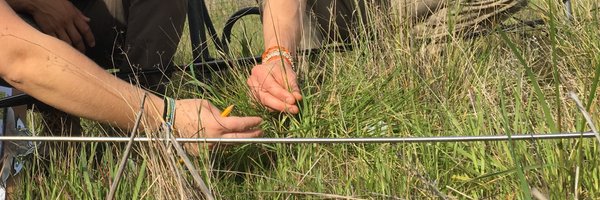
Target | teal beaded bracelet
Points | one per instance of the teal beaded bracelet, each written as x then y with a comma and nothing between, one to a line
169,113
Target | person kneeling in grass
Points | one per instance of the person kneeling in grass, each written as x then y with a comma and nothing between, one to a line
130,36
292,24
60,76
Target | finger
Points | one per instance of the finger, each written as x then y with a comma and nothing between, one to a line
246,134
62,35
277,89
254,90
86,32
271,101
240,124
75,37
289,82
266,79
45,26
293,84
87,19
297,95
81,15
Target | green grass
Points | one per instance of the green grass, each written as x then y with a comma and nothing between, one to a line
503,83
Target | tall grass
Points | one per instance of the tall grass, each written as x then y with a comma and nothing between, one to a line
388,86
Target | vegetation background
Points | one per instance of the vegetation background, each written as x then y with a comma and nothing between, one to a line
507,82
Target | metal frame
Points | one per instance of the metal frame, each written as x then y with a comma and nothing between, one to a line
377,140
201,24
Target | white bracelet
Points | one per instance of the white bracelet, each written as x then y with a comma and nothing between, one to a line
283,54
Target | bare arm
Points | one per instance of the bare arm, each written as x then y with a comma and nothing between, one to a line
58,75
282,20
274,83
45,68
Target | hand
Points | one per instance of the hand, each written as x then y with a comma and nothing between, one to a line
199,118
275,86
61,19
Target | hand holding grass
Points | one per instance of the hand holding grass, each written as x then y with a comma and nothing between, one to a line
208,122
274,84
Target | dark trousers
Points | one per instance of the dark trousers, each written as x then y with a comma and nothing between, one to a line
135,35
338,20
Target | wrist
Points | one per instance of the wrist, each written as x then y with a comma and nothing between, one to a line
280,61
279,54
168,115
153,112
285,43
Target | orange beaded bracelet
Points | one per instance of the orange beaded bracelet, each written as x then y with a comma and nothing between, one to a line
277,52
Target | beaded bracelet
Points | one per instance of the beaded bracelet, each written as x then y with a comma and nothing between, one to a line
169,113
277,51
274,48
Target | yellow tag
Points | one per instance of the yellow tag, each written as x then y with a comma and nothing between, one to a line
227,111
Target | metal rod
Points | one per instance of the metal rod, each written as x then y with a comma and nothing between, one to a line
186,160
311,140
568,10
115,183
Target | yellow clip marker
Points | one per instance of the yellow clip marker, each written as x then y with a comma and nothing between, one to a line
227,111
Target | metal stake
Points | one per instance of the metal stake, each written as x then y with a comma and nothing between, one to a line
568,10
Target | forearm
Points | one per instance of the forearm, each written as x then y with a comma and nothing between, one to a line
58,75
282,23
